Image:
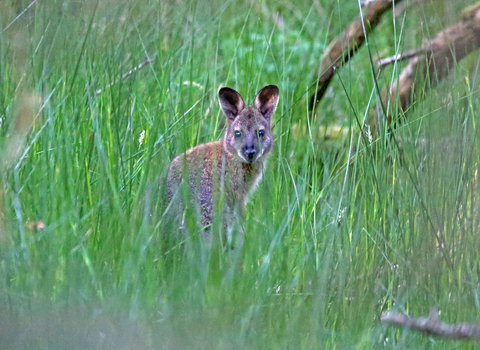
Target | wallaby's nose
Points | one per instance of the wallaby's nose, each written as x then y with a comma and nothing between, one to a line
249,151
250,155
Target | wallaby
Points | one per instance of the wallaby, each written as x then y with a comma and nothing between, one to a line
231,167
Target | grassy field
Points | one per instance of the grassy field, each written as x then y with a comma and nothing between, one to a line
337,232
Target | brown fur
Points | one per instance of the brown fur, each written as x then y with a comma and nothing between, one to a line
231,167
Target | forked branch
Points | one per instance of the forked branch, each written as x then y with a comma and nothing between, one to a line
434,61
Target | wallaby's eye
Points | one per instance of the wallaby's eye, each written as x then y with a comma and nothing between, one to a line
238,134
261,133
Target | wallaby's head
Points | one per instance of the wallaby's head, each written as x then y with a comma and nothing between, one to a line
249,135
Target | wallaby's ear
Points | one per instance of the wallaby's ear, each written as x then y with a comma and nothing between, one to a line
231,102
267,100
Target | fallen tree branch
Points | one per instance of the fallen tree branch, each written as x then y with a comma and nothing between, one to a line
433,326
127,74
440,54
344,46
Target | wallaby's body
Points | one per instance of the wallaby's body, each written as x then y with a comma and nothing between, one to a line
232,166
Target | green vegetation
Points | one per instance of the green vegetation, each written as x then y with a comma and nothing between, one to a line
337,232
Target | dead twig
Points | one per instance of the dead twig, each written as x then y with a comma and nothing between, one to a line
433,326
146,62
399,57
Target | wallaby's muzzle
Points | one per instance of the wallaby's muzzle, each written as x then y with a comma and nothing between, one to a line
249,150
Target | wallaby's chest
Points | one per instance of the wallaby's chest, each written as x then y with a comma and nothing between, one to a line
241,177
230,173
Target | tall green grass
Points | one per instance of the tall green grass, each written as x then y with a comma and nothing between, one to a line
337,232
